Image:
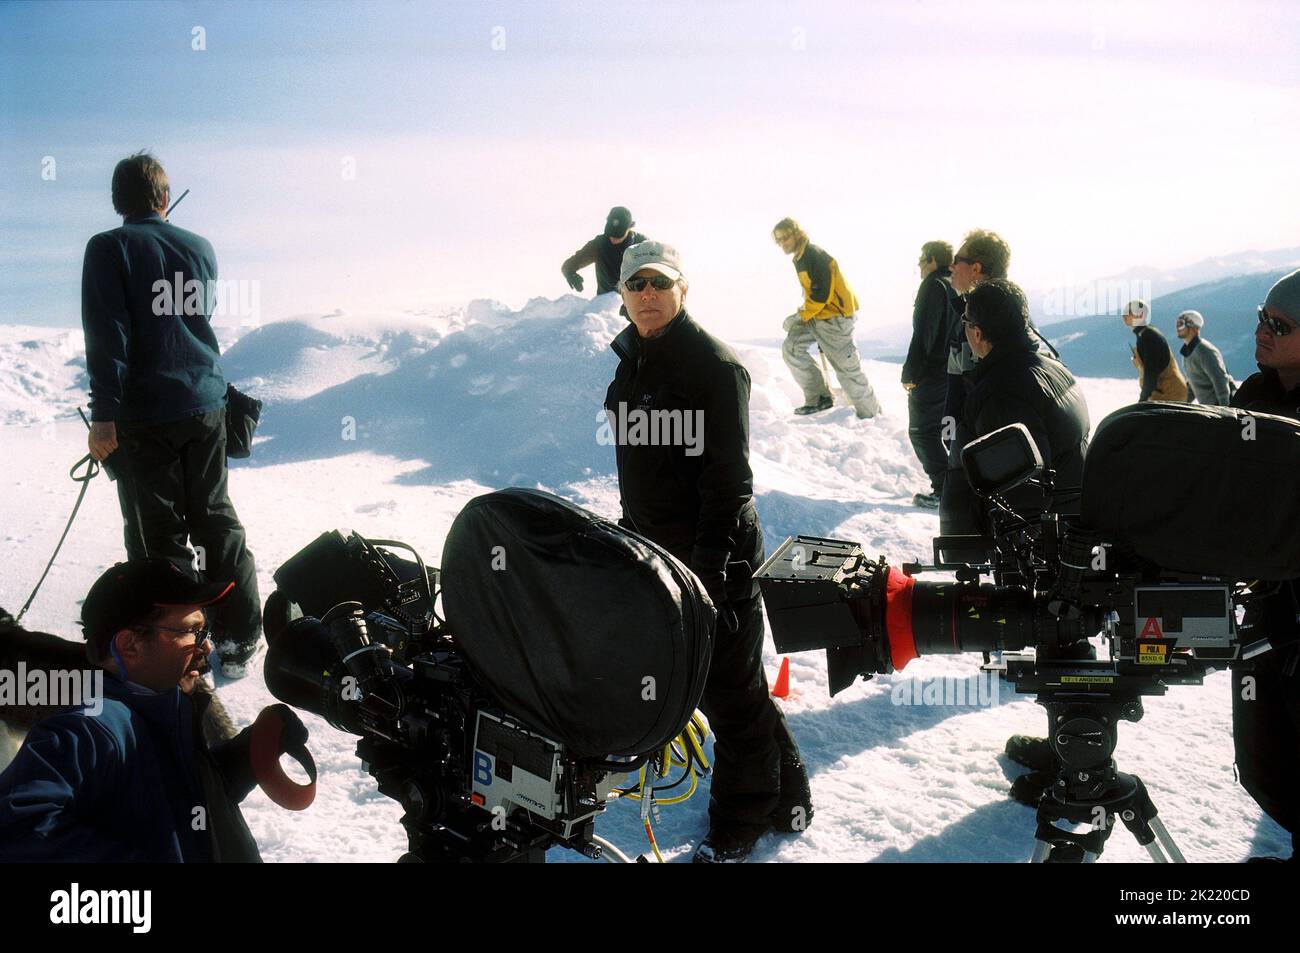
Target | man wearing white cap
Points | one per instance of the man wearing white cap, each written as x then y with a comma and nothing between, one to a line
1207,376
1158,371
695,498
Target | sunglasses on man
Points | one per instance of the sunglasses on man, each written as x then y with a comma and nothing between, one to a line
1279,327
657,282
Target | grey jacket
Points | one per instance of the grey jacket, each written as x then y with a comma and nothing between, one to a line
1206,373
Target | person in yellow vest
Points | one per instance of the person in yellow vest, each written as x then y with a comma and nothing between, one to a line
826,319
1157,370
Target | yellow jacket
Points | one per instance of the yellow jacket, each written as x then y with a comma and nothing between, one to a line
826,293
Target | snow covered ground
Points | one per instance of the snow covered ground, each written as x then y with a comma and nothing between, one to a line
388,424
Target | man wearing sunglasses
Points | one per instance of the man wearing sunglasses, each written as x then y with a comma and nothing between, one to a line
696,499
605,251
983,255
1158,371
132,778
1207,376
826,319
1266,709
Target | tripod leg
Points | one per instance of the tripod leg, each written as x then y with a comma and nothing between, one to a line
1167,842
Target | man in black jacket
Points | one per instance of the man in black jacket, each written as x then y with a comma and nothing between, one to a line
605,251
156,389
925,372
1266,690
695,497
1012,383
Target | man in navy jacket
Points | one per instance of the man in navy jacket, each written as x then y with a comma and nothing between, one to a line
157,391
127,775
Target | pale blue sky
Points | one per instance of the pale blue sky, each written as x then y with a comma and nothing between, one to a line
1094,136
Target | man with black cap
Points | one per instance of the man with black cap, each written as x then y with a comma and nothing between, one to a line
157,390
605,251
1158,371
697,501
1207,376
1266,689
130,777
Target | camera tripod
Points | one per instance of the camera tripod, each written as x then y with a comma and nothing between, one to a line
1090,790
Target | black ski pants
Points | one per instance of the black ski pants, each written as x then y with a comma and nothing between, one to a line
926,403
1266,732
176,491
751,738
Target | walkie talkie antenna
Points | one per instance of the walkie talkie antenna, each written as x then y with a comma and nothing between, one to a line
178,201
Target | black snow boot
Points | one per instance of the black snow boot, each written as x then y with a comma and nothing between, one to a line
1034,753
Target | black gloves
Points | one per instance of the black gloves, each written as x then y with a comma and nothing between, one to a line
711,568
575,281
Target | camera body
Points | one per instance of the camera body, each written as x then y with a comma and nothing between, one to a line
354,637
1055,582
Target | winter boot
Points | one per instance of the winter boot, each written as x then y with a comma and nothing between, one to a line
237,657
825,402
1034,753
1028,789
727,843
794,811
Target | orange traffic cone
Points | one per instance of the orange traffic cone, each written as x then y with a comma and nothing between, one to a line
782,687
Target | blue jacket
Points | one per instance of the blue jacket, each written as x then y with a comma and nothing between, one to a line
123,785
146,367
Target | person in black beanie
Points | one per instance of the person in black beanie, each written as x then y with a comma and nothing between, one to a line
605,251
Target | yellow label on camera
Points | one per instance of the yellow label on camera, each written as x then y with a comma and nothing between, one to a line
1152,653
1087,679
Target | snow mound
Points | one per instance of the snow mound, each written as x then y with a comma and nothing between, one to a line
42,374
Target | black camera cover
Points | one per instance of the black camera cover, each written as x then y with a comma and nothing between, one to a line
586,632
1209,490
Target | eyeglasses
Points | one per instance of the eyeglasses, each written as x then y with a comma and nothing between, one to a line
780,239
201,634
658,283
962,260
1279,327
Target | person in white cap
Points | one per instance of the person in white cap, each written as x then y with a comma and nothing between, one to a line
1207,376
1157,370
695,498
1266,719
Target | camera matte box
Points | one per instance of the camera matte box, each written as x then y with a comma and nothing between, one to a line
1210,490
584,631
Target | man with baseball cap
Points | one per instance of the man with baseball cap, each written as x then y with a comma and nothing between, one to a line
1158,371
131,777
1207,376
605,251
1266,689
697,501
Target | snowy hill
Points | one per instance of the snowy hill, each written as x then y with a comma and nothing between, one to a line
449,406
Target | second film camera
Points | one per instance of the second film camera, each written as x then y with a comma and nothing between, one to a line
569,651
1166,555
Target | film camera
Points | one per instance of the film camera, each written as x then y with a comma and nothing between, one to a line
1150,562
503,727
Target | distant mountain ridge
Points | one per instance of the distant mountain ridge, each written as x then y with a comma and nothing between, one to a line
1098,345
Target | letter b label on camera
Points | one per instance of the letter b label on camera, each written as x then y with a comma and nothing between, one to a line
482,768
